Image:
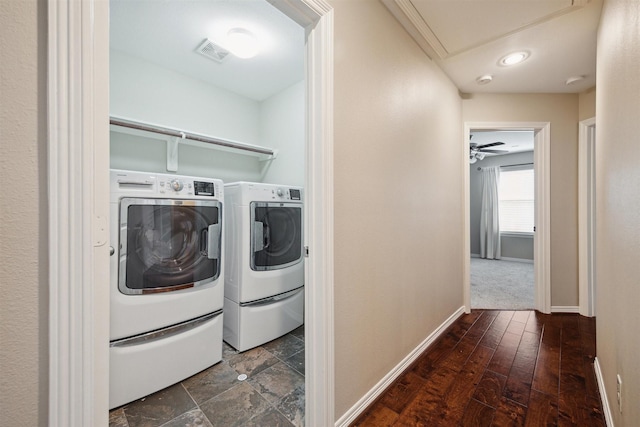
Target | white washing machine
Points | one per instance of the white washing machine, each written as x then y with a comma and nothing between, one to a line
167,282
264,263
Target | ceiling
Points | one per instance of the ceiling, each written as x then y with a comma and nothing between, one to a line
467,39
168,32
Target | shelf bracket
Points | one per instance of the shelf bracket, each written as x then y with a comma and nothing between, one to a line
172,153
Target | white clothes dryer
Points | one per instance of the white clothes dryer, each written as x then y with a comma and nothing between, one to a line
264,263
167,282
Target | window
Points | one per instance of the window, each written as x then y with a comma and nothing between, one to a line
516,195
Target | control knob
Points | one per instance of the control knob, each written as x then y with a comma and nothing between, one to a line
279,192
177,185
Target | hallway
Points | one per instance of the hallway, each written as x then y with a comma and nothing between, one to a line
499,368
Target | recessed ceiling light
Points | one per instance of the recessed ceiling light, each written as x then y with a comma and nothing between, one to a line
483,80
242,43
514,58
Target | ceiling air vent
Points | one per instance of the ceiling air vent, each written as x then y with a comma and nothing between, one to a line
212,51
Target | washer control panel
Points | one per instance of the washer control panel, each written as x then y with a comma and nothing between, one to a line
134,183
189,187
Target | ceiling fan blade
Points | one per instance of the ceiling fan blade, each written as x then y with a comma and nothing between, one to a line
491,144
493,151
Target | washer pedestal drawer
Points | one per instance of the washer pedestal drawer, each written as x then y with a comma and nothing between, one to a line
143,365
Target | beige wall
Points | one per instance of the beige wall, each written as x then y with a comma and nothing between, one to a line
561,110
587,104
23,220
398,204
618,205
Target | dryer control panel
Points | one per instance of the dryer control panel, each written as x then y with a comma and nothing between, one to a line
285,193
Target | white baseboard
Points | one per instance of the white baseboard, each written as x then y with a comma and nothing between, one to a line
528,261
350,416
608,418
565,309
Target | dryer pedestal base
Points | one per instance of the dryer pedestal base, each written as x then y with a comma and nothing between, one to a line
249,326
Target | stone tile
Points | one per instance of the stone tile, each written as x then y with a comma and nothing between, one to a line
276,382
158,408
292,407
271,418
194,418
285,346
117,418
235,407
211,382
228,352
296,362
252,361
298,332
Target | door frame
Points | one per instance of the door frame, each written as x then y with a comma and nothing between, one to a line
542,237
586,217
78,206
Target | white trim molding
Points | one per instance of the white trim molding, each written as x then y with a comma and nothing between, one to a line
361,405
565,309
608,417
317,17
78,164
526,261
542,237
586,217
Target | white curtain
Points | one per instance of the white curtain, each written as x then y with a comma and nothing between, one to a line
489,221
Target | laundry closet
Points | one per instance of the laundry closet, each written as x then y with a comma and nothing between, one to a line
207,158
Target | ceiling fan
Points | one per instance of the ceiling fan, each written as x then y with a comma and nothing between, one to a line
478,151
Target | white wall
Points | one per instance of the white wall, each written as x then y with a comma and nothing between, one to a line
282,126
618,205
511,246
24,283
143,91
398,197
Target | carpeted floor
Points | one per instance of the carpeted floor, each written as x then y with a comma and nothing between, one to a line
499,284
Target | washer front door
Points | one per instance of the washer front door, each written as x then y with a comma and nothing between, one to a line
168,245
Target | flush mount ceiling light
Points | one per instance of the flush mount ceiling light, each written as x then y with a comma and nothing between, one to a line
513,58
242,43
483,80
574,80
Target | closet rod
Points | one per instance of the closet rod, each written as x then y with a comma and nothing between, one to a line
508,166
191,136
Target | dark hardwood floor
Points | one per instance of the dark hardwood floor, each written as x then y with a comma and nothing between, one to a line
499,368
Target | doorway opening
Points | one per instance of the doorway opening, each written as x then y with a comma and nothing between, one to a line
541,171
586,217
502,208
78,142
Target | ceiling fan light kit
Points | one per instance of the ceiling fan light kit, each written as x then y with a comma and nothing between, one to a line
479,151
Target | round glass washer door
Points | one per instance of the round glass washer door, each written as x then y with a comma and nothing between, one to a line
166,244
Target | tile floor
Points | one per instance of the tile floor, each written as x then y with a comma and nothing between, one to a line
272,395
